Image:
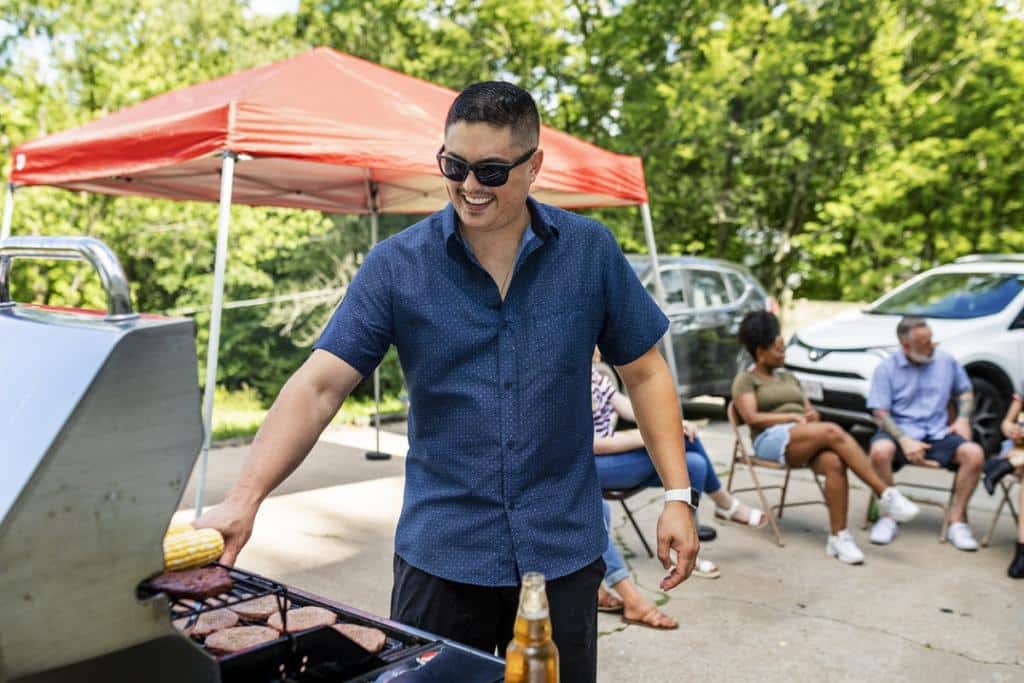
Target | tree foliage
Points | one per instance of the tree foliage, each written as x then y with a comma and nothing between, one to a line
835,147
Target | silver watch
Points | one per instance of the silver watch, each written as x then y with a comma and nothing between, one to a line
684,495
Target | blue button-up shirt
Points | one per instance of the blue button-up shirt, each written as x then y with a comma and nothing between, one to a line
918,396
500,473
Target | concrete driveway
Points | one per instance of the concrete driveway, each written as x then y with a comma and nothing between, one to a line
916,611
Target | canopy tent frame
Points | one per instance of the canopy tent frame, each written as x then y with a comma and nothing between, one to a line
335,158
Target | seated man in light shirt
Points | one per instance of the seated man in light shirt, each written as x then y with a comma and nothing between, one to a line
910,396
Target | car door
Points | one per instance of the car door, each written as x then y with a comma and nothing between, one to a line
681,324
716,348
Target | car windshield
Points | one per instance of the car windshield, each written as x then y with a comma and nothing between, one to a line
954,295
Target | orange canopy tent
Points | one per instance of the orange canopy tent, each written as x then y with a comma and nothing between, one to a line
322,130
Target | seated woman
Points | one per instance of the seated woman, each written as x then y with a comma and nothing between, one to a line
1011,460
786,429
623,462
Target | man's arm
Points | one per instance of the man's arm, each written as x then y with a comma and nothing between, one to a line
653,395
912,448
295,421
964,411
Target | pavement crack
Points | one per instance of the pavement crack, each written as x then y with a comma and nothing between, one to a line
864,627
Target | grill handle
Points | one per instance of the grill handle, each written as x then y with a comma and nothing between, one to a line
99,255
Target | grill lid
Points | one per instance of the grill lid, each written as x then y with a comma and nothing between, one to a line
101,427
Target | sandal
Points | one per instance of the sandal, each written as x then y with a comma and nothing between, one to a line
607,602
706,569
755,517
653,619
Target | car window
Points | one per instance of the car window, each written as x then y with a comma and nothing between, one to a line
675,285
738,285
708,289
954,295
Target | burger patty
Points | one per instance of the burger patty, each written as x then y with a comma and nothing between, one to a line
303,618
207,623
200,584
370,639
258,609
239,638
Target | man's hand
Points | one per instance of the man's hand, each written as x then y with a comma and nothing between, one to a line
677,531
915,452
689,430
962,426
234,520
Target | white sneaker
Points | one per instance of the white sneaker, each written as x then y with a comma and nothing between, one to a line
898,506
884,531
842,546
959,534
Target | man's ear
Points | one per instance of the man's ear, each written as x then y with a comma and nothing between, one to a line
536,161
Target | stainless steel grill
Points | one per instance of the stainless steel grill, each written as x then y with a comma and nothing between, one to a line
99,431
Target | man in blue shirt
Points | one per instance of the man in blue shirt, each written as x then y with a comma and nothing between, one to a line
910,395
495,305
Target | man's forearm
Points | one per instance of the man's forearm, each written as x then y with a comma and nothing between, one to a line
292,426
965,405
884,421
658,417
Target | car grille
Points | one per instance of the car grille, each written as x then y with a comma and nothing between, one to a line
844,400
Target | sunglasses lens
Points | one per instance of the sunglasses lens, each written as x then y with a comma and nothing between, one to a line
492,176
453,169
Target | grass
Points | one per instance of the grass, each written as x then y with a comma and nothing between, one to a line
238,414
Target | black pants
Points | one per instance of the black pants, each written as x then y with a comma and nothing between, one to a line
482,616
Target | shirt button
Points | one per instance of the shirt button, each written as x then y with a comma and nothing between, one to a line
511,505
504,324
508,444
508,384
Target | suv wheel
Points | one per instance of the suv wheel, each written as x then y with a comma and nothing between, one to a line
989,408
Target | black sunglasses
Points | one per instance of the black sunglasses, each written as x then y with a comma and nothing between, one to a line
489,173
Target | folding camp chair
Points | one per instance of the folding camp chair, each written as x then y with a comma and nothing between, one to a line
1005,487
622,495
741,455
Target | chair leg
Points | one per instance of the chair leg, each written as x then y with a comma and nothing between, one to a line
995,518
632,520
782,496
732,469
867,510
764,506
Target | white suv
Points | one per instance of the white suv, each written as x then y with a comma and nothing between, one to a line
975,307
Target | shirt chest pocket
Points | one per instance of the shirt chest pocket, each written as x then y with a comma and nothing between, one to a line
561,339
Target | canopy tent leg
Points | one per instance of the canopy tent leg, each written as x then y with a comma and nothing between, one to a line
220,265
378,454
5,227
659,290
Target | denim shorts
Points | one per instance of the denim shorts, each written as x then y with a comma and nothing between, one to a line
771,444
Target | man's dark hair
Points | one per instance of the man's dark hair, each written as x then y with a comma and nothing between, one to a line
758,330
908,324
499,104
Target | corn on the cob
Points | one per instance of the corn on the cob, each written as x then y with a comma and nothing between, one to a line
179,526
188,548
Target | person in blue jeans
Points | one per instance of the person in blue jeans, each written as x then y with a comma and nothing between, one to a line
619,458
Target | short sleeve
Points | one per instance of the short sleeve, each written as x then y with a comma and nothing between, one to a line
880,392
361,329
743,384
633,322
961,382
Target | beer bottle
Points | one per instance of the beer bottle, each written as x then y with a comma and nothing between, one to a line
532,656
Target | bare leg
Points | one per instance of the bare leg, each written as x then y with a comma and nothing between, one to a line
837,488
970,458
1020,507
807,440
883,452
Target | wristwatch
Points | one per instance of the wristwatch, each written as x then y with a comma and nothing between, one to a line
684,495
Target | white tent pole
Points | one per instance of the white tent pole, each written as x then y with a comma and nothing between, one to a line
659,289
376,371
227,177
5,227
